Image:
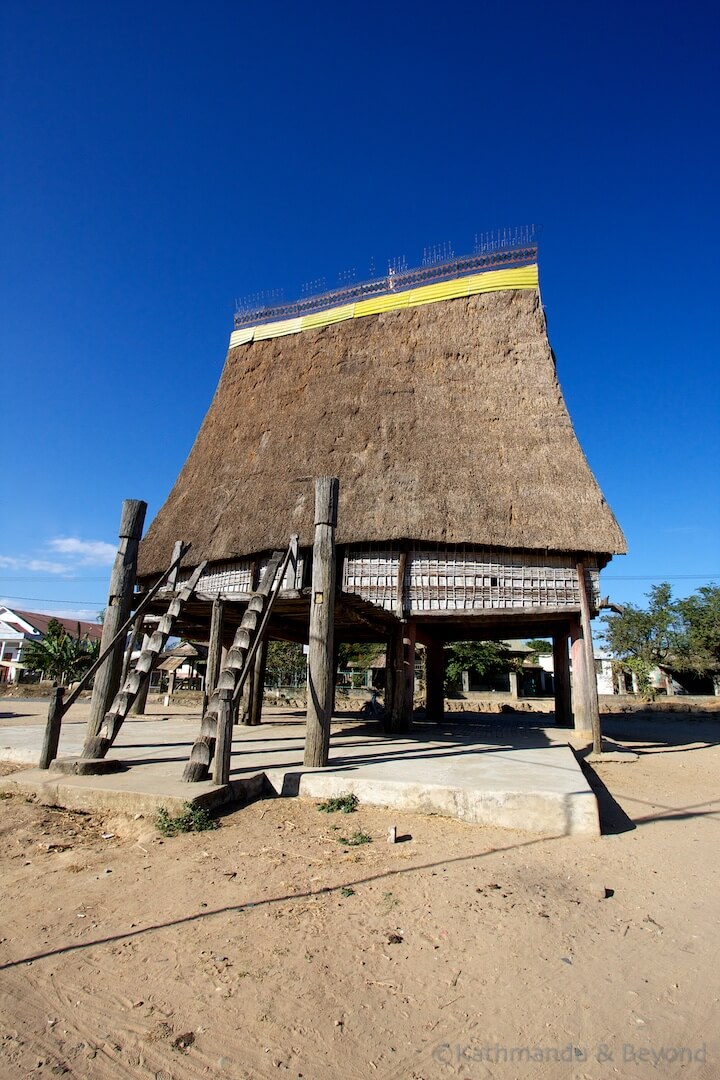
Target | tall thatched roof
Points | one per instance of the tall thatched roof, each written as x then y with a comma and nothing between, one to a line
444,423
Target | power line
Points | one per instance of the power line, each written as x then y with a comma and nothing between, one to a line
47,600
59,578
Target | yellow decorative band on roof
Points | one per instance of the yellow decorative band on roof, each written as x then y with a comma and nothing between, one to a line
519,277
325,318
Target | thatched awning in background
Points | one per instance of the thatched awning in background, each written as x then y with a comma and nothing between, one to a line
444,424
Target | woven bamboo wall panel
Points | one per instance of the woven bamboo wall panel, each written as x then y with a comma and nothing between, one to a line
225,578
237,577
466,580
373,575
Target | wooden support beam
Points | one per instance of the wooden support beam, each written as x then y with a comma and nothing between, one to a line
171,583
401,658
561,680
52,729
335,666
392,674
408,702
322,604
591,689
580,711
243,703
434,680
296,575
224,731
212,671
119,606
258,684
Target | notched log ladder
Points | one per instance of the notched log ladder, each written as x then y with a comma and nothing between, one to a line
97,745
215,738
58,707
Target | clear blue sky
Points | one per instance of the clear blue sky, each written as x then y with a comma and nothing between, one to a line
160,160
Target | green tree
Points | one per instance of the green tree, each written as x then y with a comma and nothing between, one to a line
540,646
680,634
698,648
483,657
286,663
643,638
59,655
361,655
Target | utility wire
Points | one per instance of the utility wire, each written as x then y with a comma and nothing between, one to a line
47,600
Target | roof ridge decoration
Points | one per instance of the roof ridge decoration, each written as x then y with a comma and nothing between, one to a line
490,268
521,277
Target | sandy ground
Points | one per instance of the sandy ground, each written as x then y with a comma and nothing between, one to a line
271,948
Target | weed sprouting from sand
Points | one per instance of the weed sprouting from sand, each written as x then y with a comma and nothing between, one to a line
343,804
190,819
355,840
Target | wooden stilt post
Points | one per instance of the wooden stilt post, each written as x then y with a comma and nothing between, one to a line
258,684
561,680
408,703
391,676
435,681
52,730
335,665
244,704
223,749
322,605
214,650
245,700
591,690
402,654
171,583
122,585
580,709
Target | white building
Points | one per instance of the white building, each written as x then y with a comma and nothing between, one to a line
19,627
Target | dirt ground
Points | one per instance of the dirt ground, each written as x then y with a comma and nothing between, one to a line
270,947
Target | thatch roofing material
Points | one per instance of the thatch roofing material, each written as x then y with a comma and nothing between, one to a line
444,423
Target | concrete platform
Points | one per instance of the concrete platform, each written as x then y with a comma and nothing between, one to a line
505,775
